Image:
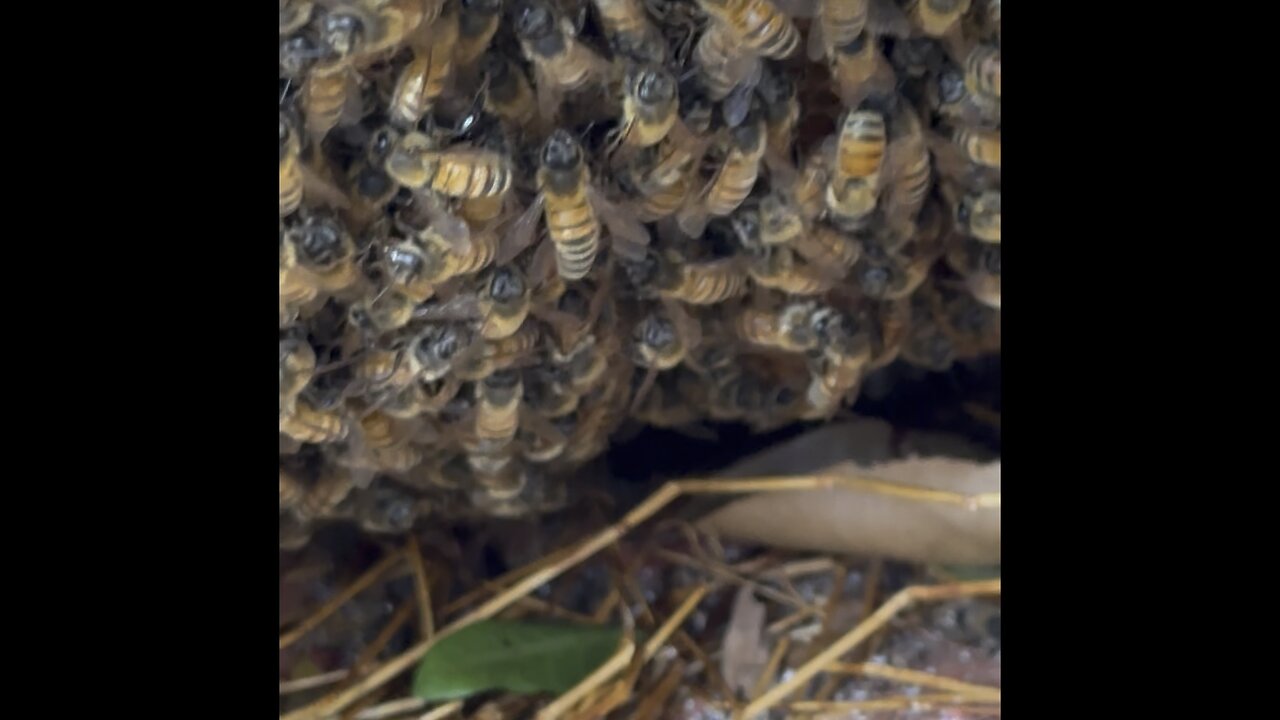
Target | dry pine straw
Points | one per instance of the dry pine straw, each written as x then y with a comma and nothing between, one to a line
554,565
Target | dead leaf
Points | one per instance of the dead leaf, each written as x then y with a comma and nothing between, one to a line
856,521
744,655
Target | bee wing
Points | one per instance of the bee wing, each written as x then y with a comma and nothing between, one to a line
682,138
886,18
548,93
738,104
542,266
353,107
465,306
800,8
522,232
444,224
317,188
628,235
689,328
817,47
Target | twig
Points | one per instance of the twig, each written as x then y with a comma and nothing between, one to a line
919,702
871,596
547,571
916,677
369,654
861,632
771,668
606,606
421,587
391,709
724,572
669,626
616,662
369,577
835,479
443,711
312,681
651,705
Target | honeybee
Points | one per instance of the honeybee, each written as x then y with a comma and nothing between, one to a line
477,23
788,328
728,72
826,247
748,397
504,302
410,270
323,497
290,168
330,85
936,18
325,251
497,408
837,23
574,210
586,362
859,69
781,113
294,15
383,445
853,190
560,63
296,289
381,312
508,94
951,99
385,508
398,21
423,79
779,269
416,163
540,439
432,353
303,422
907,174
649,104
927,346
705,283
757,25
809,189
497,485
884,275
661,340
291,490
733,180
982,72
972,326
979,263
860,148
549,392
891,321
297,365
978,215
831,382
980,146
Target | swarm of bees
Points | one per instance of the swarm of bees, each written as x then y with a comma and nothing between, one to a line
508,226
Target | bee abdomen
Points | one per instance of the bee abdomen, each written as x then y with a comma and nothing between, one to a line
732,187
702,285
290,186
980,146
769,32
306,424
324,95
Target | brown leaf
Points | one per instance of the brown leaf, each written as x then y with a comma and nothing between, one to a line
857,521
744,655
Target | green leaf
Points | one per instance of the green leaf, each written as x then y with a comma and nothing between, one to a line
513,655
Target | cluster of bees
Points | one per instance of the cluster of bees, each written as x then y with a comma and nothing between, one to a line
507,226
